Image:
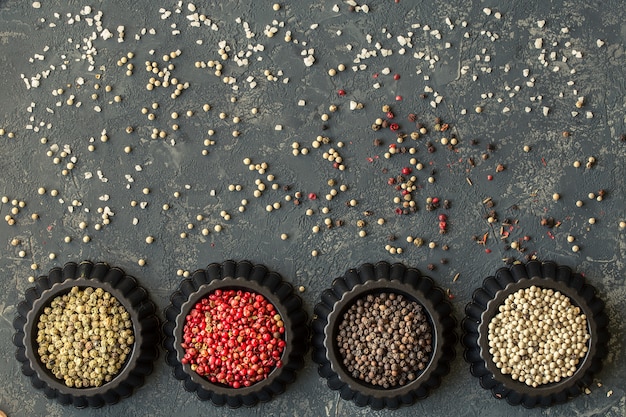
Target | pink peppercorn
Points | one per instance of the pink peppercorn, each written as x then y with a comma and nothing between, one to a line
233,337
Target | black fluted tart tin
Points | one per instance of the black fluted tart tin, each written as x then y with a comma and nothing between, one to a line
374,279
134,298
484,306
246,276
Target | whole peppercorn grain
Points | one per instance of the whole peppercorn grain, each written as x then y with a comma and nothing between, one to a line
84,337
538,336
385,340
233,337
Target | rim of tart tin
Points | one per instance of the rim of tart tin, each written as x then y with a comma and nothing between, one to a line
373,279
250,277
134,298
484,306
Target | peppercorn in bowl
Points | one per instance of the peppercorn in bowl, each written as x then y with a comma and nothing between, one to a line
535,334
235,334
383,335
86,334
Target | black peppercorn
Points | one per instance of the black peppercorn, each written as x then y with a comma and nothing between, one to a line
375,344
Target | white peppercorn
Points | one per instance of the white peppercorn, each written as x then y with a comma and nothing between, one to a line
538,336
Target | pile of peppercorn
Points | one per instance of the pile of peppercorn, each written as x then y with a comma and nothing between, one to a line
385,340
233,337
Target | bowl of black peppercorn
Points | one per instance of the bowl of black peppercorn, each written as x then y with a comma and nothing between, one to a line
535,334
383,335
86,334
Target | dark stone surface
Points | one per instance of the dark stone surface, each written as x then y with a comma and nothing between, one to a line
522,192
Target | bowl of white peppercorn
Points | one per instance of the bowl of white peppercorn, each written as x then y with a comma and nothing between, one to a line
383,335
86,334
535,334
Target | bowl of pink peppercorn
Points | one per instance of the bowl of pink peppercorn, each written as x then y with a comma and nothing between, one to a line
235,334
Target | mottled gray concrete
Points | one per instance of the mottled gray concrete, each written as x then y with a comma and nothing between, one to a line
528,181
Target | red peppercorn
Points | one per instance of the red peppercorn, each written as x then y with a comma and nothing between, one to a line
390,115
435,200
396,77
487,250
312,196
391,181
341,92
406,171
394,127
235,333
489,177
443,217
398,98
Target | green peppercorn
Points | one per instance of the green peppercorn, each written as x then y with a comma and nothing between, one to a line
84,337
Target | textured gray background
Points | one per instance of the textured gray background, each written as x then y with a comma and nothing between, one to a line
528,181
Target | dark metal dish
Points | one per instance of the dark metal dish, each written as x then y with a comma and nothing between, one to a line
484,306
135,300
370,279
250,277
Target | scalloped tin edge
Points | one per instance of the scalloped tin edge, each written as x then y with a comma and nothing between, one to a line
134,298
409,281
571,284
255,277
